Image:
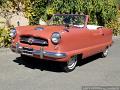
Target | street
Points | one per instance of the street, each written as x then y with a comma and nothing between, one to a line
17,74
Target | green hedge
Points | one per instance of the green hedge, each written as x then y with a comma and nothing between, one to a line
5,37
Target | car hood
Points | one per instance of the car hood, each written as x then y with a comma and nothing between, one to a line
39,31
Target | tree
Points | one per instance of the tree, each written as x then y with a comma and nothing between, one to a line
103,11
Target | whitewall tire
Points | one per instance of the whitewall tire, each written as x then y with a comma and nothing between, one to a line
71,64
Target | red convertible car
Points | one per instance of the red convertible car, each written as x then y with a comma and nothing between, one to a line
64,38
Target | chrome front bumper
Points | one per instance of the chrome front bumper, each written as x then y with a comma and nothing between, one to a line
41,52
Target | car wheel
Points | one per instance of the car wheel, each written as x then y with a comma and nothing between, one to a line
71,64
104,53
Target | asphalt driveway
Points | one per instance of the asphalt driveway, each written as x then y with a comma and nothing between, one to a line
16,74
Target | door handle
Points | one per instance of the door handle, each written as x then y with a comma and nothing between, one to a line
102,34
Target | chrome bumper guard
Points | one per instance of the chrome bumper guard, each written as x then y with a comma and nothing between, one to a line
41,52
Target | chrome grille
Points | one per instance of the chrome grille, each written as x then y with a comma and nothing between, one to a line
27,51
34,40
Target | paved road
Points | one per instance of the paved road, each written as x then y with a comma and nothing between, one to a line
15,74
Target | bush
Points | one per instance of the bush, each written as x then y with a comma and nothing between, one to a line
115,24
4,37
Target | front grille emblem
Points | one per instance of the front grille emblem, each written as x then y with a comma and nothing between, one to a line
30,40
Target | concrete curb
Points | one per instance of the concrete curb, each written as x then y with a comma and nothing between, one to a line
4,49
116,37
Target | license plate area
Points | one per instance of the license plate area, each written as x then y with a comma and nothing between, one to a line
27,51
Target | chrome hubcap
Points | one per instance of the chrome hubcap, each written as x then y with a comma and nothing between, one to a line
105,52
72,63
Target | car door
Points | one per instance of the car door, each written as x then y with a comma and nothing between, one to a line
98,39
78,40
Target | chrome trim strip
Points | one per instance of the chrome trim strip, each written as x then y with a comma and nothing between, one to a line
54,54
40,53
27,54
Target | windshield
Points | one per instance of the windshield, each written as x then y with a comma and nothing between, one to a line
70,19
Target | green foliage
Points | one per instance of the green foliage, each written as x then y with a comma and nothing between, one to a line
28,10
115,25
101,12
4,37
37,9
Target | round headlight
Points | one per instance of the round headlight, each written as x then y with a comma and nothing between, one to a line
13,32
56,37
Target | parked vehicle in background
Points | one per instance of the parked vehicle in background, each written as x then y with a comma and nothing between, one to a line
65,38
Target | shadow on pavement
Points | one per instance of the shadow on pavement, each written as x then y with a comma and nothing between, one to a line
46,65
88,60
42,65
